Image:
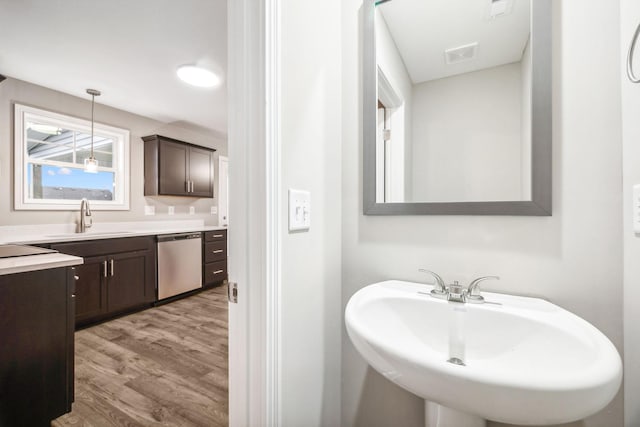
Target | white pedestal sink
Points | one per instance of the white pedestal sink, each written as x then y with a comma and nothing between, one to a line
512,359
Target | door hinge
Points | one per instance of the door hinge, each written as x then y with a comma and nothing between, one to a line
232,292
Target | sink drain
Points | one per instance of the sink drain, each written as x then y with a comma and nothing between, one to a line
456,361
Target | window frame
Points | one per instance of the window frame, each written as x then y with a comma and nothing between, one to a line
120,160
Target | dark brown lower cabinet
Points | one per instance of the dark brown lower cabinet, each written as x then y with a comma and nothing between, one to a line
36,346
119,275
214,258
92,301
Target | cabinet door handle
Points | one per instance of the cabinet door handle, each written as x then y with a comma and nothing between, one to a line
218,271
192,186
187,184
104,268
76,278
111,267
73,295
218,235
218,251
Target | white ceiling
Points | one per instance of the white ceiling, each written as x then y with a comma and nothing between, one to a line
128,49
424,29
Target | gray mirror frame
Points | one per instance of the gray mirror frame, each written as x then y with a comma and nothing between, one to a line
541,138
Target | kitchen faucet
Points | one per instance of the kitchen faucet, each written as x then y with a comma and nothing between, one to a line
85,212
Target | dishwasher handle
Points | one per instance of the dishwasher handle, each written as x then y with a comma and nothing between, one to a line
181,236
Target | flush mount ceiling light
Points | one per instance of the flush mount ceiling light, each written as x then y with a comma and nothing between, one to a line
198,76
91,164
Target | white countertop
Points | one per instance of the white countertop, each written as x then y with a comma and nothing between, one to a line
22,264
49,233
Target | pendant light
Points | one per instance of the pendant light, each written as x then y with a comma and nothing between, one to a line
91,164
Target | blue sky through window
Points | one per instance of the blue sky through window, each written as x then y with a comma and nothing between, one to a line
55,176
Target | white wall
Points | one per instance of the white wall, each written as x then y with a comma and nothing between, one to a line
12,90
476,113
310,287
630,17
573,258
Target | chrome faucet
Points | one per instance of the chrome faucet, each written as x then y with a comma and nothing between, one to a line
85,212
457,293
473,291
440,289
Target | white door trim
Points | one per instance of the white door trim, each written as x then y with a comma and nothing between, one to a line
222,213
254,211
273,180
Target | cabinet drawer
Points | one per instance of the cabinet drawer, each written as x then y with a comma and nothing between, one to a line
215,272
216,251
212,236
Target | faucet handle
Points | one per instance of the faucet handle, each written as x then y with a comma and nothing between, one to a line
473,292
440,290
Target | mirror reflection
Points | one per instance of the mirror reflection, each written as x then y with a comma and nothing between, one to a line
454,101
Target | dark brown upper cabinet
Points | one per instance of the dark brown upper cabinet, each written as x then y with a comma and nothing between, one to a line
177,168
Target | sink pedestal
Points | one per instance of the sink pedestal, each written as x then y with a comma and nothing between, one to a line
440,416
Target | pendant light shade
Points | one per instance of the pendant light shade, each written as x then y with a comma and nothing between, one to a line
91,163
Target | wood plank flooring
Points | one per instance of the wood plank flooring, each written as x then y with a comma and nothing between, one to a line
166,366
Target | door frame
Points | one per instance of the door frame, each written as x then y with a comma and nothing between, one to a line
221,202
254,212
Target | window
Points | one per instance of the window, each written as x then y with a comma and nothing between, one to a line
50,150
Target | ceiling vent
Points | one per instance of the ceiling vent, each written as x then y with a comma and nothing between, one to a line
461,53
498,8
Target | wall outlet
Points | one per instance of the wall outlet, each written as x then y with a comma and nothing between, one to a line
171,210
214,210
299,210
192,210
149,210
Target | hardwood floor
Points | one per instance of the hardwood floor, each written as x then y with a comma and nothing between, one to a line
166,366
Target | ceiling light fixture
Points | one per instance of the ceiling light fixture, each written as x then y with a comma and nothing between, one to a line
91,164
198,76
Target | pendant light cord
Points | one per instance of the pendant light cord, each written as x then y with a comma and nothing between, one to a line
93,101
93,93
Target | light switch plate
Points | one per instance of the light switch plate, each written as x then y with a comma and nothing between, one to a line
149,210
214,210
171,210
636,208
192,210
299,210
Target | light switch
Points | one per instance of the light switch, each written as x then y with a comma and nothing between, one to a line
171,210
299,210
636,208
192,210
149,210
214,210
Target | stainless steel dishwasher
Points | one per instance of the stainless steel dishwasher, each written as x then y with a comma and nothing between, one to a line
179,263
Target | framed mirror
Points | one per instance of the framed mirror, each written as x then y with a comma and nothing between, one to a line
457,107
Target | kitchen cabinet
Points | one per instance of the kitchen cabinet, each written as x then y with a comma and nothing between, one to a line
177,168
118,276
36,353
214,258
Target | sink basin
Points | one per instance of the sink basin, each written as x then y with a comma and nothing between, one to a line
515,360
89,233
